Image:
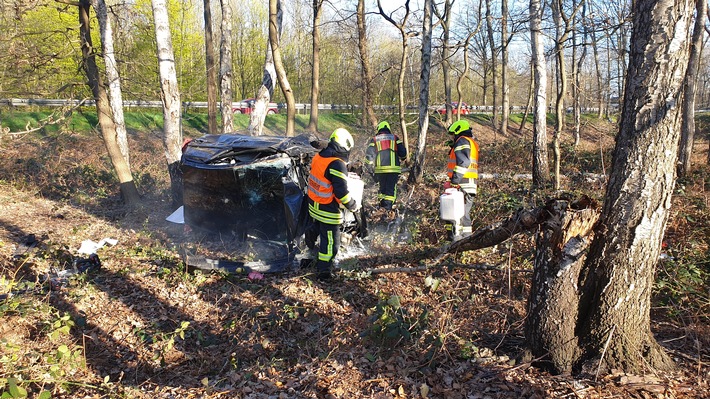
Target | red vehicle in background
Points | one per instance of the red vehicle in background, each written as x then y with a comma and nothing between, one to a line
246,106
454,109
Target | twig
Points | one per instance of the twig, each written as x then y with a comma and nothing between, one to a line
606,345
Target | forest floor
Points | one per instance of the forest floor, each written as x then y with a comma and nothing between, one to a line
144,326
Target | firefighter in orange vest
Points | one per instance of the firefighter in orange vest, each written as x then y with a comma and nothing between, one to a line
327,192
462,170
386,151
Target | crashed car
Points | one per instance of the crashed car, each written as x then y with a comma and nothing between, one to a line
251,188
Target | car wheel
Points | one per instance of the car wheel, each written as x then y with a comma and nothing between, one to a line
270,112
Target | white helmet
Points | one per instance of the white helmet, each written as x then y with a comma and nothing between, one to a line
343,138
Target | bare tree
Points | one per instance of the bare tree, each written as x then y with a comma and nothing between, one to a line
505,90
225,67
494,67
406,35
603,316
170,95
687,138
369,119
274,11
541,171
266,90
315,66
445,19
417,172
103,109
113,77
472,31
211,70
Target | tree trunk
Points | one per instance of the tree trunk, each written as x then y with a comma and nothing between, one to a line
103,110
541,171
560,39
529,103
445,19
577,65
211,71
687,138
417,172
225,67
170,95
369,119
274,35
402,26
494,67
505,95
562,243
633,220
315,67
113,77
266,90
598,70
612,328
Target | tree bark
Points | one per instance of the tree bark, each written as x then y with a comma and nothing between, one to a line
494,68
505,90
103,110
627,243
225,67
541,171
170,95
687,138
369,119
266,90
417,172
113,77
315,67
211,71
445,19
274,35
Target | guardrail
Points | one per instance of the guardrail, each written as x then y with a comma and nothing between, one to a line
25,102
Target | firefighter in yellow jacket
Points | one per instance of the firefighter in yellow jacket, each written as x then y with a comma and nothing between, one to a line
462,170
385,152
327,192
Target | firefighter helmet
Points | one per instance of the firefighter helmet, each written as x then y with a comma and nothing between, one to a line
383,125
459,127
343,138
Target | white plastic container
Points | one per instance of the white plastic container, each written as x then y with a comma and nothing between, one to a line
451,205
356,187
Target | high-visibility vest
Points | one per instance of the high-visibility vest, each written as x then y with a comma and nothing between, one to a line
320,191
469,173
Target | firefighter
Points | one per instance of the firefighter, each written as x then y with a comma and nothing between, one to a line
463,173
327,192
385,152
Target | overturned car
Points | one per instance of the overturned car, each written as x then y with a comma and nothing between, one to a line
250,189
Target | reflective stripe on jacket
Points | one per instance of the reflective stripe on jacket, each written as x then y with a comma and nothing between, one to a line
324,204
463,163
385,151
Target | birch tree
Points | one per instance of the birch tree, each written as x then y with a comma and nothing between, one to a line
688,125
417,172
103,109
315,66
405,35
170,95
113,77
541,171
225,67
274,18
266,89
595,310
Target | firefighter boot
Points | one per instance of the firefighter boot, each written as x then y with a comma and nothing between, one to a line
324,270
